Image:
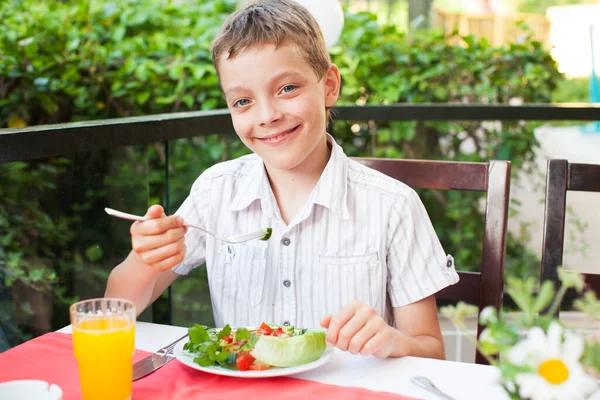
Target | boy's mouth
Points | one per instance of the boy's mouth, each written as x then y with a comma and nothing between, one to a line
278,138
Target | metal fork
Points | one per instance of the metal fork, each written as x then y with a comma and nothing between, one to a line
263,234
426,384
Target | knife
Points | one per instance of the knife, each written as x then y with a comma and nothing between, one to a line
155,361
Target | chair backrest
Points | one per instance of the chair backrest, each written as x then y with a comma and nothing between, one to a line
483,288
562,176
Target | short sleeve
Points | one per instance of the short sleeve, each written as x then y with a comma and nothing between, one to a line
194,211
416,262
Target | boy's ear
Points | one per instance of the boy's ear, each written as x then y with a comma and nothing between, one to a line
332,85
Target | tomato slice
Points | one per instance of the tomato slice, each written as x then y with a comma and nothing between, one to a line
227,339
245,354
258,367
243,362
278,332
264,329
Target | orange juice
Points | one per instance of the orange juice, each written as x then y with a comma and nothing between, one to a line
104,347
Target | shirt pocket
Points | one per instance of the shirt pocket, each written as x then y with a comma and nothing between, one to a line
348,278
244,272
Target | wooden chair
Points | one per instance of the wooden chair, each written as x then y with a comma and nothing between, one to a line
483,288
562,176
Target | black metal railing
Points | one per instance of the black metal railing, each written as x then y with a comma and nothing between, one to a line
54,140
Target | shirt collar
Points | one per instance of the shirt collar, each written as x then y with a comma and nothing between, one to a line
330,192
253,187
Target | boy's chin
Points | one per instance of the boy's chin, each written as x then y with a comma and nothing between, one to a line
282,162
283,165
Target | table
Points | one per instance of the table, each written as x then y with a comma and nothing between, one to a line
463,381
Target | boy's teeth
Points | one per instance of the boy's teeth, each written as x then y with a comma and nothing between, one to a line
274,139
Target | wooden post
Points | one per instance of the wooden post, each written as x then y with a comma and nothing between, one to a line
498,37
463,24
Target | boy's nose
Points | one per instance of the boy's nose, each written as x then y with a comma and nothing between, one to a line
269,114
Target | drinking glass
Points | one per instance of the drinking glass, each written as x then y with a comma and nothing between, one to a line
103,343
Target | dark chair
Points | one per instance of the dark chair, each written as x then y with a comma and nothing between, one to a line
483,288
562,176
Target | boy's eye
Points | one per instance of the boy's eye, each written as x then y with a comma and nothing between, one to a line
241,103
288,88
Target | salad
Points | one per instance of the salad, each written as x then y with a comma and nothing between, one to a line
254,349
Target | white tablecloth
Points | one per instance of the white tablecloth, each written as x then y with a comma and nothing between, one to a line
463,381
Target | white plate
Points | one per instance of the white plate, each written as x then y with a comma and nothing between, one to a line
188,359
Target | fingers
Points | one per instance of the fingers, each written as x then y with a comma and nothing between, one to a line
358,341
147,242
159,241
338,321
379,345
357,323
155,211
170,262
156,225
358,328
158,254
326,320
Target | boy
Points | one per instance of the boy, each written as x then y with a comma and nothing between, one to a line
351,250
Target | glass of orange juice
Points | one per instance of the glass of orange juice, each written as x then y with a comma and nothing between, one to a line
103,343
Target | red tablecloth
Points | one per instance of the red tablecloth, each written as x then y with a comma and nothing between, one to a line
50,358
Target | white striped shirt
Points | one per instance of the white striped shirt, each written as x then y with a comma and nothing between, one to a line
360,236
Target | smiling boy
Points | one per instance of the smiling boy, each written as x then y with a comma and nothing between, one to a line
352,250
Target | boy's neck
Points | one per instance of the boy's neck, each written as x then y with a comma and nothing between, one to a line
293,187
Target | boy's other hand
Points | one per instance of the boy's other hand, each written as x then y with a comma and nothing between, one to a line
358,328
159,241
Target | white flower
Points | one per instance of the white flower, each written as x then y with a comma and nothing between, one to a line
557,373
488,315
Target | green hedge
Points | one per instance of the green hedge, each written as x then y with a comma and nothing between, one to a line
79,60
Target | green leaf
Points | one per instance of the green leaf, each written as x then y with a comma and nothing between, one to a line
198,334
251,343
143,97
119,33
211,351
188,100
226,331
94,253
42,81
215,151
222,356
242,334
36,275
166,100
544,297
204,361
109,9
520,291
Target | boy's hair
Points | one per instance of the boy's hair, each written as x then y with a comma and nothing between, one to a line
276,22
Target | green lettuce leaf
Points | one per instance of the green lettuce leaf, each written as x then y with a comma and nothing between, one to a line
289,352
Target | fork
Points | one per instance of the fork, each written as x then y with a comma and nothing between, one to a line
263,234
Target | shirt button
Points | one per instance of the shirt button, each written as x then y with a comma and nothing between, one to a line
286,241
287,283
286,323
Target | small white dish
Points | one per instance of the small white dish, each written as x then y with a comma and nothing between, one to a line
30,390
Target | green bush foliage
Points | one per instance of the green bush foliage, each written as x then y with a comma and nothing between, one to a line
67,61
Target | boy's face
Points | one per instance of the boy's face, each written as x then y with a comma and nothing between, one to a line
278,104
